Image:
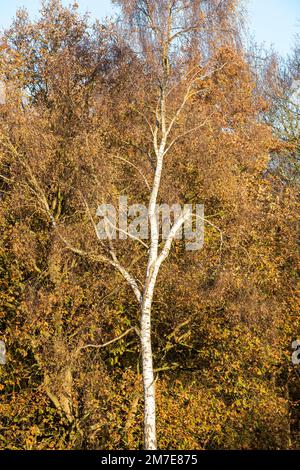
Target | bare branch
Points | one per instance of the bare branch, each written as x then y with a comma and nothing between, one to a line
128,277
94,257
145,118
142,150
137,168
100,346
181,32
166,249
180,136
188,94
5,178
214,226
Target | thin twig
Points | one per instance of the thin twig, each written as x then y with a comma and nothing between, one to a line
99,346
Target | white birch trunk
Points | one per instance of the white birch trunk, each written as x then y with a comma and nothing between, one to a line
146,345
148,381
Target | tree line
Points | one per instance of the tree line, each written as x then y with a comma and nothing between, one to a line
126,343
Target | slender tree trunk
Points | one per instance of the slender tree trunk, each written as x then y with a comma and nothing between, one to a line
148,377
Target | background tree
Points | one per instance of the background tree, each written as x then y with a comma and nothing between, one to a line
223,317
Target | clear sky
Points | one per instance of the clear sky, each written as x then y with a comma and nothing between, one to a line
271,21
274,22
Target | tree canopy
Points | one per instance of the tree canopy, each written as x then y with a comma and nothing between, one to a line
75,132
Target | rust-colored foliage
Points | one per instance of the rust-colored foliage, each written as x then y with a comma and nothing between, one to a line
223,317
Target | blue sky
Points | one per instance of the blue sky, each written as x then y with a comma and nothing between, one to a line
274,22
271,21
